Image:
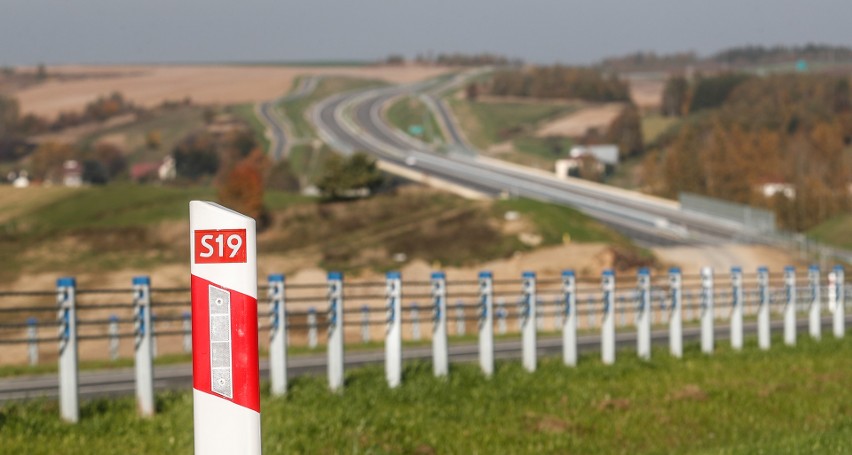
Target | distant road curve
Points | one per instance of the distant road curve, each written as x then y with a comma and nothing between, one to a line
277,126
353,121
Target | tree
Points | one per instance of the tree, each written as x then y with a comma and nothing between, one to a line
94,172
675,96
153,139
281,177
111,158
196,157
47,160
347,177
9,113
242,189
472,91
626,132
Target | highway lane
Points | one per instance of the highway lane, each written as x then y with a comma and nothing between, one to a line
366,130
120,381
276,125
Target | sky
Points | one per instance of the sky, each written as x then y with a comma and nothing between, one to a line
543,31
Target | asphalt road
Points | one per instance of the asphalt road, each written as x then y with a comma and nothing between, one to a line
117,382
276,124
353,121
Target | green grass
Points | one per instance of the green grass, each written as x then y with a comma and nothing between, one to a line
295,110
655,125
489,123
408,111
787,400
553,221
172,125
247,113
834,231
109,227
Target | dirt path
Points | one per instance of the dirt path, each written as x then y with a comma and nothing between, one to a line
578,123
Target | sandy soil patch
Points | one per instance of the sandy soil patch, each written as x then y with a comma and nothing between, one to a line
151,85
647,93
722,258
578,123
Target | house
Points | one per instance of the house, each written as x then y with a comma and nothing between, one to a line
72,174
771,188
604,157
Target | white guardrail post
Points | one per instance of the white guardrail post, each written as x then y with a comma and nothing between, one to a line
113,343
707,311
277,336
737,308
66,299
225,368
608,321
763,330
528,323
643,320
675,312
486,323
144,360
790,306
569,322
393,338
335,331
32,345
840,302
815,309
440,358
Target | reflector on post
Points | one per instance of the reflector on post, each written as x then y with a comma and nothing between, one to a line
225,372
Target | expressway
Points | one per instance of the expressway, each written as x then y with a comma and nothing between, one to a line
354,121
276,125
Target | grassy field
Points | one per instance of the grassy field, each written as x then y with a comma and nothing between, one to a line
99,228
172,126
787,400
834,231
489,123
408,111
103,228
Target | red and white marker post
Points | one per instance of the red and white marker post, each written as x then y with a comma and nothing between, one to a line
225,370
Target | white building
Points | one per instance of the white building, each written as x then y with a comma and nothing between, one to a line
605,155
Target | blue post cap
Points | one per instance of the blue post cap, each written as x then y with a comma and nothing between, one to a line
312,310
187,315
644,271
762,269
439,276
66,282
414,305
486,274
276,277
142,280
789,269
674,270
838,267
335,275
736,269
365,308
32,321
113,318
528,274
608,272
394,275
813,268
568,272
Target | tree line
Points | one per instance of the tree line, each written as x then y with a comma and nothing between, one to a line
559,82
792,129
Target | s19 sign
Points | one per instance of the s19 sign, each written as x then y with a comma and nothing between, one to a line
220,246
